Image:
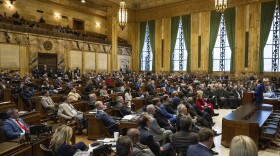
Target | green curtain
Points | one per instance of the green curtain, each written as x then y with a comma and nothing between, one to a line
214,28
186,21
267,13
152,40
142,40
174,32
230,28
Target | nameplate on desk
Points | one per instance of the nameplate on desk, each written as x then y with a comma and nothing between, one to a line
128,117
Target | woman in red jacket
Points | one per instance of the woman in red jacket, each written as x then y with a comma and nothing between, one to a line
202,105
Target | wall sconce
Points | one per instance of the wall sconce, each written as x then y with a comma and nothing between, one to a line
57,15
97,25
10,3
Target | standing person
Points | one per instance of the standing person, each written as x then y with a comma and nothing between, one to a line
259,92
14,127
77,71
61,142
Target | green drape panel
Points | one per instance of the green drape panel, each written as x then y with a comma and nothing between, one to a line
214,28
142,40
230,28
186,21
267,13
152,40
174,32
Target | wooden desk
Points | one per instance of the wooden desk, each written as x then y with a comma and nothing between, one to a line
138,104
272,101
93,130
246,120
14,149
31,118
126,124
248,98
4,106
35,143
7,94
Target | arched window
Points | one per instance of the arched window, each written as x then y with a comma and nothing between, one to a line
271,49
147,55
180,52
222,51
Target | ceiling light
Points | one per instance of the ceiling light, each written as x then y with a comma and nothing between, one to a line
83,1
220,5
122,15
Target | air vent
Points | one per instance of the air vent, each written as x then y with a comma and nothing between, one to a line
136,6
64,17
40,11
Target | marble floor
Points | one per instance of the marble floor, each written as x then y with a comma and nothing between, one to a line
223,151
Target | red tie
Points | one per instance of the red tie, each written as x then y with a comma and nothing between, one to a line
22,126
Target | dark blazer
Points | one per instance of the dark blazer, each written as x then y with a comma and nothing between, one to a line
26,97
105,118
125,110
198,149
182,139
259,93
11,129
147,138
178,126
161,119
70,150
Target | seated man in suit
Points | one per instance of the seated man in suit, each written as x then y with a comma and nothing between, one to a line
138,148
160,106
185,137
147,138
204,145
124,146
68,112
48,103
160,134
107,120
161,119
14,127
92,99
26,97
73,95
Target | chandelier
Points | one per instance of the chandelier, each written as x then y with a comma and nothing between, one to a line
220,5
122,15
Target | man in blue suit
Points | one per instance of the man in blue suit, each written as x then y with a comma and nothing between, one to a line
205,138
259,92
107,120
14,127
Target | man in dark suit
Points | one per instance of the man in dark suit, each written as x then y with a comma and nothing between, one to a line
147,138
161,119
259,92
77,71
204,145
14,127
185,137
69,73
107,120
59,72
27,97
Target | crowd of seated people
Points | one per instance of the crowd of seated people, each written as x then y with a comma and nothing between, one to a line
42,24
169,117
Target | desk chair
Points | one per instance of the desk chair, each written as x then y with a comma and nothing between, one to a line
47,151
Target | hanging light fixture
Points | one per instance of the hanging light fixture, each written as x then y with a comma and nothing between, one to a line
220,5
122,15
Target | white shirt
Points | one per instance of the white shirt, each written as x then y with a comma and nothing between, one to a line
73,110
18,125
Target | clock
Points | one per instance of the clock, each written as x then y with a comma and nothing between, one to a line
48,45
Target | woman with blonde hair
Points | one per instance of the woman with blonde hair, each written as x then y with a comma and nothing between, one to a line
243,146
61,142
203,105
